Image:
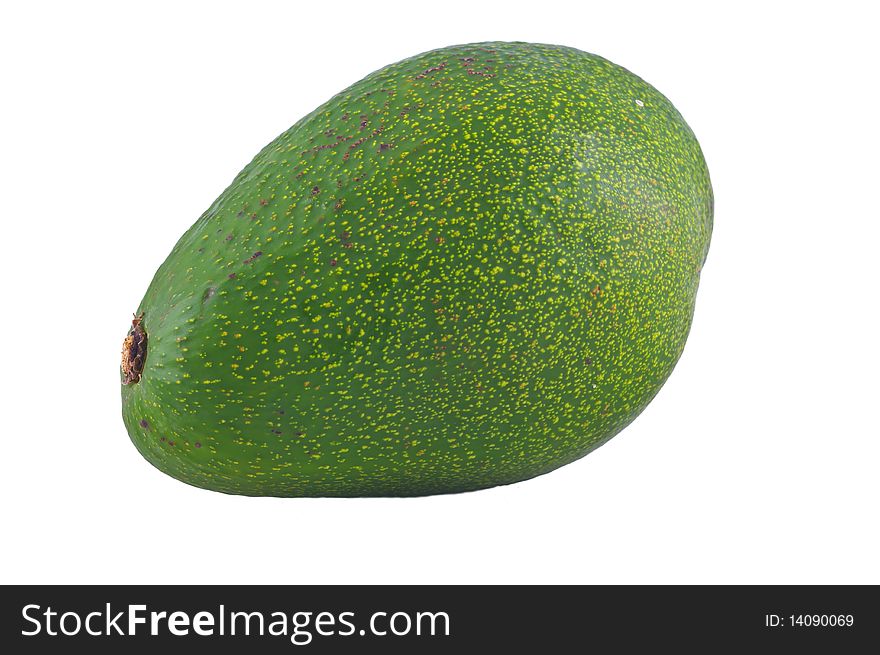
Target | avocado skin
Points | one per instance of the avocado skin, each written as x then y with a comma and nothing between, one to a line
468,269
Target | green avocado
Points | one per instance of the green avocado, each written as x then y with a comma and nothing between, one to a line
468,269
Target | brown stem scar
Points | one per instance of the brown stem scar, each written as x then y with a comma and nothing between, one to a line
134,352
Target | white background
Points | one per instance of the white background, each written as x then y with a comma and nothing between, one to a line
757,462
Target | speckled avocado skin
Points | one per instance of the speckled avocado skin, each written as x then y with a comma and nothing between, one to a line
470,268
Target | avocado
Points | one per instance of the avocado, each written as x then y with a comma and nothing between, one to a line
468,269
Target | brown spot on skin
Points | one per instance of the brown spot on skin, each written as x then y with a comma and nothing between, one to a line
251,259
333,262
433,69
316,190
145,424
263,202
231,276
384,146
326,146
588,361
197,444
170,443
229,237
472,71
